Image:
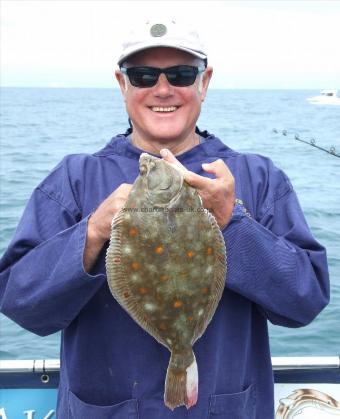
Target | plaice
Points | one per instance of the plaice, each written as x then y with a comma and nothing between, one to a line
166,266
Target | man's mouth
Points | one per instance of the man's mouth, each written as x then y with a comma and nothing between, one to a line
164,109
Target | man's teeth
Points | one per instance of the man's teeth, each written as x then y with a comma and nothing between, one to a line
159,109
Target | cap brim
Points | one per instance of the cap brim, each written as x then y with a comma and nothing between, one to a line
142,47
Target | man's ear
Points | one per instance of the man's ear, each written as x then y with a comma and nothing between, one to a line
122,82
205,82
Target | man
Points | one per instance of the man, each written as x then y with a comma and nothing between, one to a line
53,273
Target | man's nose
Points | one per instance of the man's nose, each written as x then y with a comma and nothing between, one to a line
163,87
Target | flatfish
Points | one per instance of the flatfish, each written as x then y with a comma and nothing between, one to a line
166,266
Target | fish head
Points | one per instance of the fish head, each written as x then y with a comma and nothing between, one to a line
162,182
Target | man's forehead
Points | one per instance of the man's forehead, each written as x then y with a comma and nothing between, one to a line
159,55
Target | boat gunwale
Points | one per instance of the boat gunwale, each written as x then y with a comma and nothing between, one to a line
278,363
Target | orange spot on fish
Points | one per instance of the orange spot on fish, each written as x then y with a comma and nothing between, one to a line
178,304
164,277
133,232
162,326
135,265
205,290
143,290
159,250
209,250
190,254
190,318
126,294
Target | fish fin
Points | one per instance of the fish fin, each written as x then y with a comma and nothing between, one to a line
114,268
181,384
117,280
218,282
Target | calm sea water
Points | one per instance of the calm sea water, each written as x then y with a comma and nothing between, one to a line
40,126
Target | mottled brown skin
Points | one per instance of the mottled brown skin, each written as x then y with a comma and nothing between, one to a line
166,262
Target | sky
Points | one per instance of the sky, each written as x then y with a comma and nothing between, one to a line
251,44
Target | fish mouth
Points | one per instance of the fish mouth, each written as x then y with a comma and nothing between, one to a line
145,161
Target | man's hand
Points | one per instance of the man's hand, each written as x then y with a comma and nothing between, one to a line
218,195
99,224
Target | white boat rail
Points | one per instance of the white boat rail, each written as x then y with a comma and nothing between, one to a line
29,365
279,364
305,362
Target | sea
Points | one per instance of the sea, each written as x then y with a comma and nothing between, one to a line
41,125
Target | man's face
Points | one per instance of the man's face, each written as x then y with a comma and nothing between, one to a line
145,106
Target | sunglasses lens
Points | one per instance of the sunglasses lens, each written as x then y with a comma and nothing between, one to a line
142,77
181,75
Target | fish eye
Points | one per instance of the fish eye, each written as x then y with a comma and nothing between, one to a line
143,169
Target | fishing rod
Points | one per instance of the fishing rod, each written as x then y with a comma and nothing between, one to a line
311,142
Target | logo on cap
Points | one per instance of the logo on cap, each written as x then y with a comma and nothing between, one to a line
158,30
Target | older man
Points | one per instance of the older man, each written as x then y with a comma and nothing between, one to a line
53,273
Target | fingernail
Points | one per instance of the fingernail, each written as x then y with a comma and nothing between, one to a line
164,152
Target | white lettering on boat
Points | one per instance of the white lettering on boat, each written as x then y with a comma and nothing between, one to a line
28,413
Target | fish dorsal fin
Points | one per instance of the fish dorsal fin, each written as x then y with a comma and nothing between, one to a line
218,281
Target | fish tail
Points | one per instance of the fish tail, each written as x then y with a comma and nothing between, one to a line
181,383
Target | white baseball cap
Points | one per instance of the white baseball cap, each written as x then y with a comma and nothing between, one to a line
162,33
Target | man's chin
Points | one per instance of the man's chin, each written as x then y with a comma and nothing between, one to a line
165,136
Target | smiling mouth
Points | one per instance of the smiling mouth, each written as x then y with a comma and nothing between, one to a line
161,109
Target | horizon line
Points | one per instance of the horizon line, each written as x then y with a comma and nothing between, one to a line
117,88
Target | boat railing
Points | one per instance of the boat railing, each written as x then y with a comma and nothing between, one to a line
278,363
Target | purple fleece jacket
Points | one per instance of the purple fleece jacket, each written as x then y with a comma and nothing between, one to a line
110,367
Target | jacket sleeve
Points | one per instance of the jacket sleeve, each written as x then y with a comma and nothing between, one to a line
43,285
276,262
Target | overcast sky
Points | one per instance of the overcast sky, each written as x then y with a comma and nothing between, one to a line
251,44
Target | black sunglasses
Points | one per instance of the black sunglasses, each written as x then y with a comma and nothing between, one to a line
178,75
